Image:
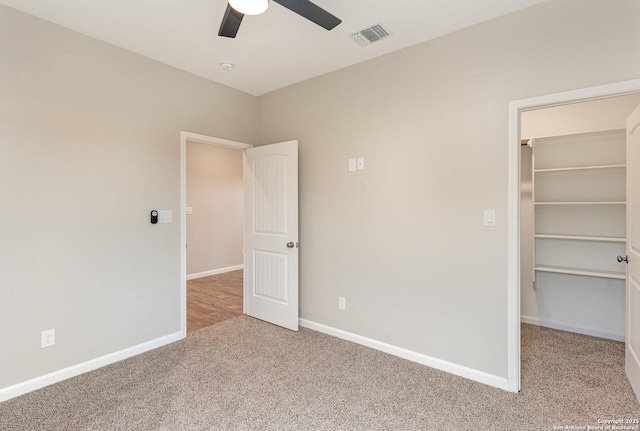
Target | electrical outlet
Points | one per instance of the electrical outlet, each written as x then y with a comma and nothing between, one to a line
342,303
47,338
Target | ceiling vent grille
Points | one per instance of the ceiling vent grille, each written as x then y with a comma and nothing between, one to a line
369,35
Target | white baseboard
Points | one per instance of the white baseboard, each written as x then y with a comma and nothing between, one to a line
449,367
93,364
214,272
610,335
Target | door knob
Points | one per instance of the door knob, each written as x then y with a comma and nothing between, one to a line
623,259
292,244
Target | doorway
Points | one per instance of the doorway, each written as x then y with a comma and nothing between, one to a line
573,216
516,108
212,230
573,225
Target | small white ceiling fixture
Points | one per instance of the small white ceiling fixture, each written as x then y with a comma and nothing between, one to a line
250,7
227,65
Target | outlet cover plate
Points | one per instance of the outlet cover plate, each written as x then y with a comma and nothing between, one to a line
342,303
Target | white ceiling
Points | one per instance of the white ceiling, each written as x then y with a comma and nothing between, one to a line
272,50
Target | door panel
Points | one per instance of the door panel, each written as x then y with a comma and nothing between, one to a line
271,275
632,354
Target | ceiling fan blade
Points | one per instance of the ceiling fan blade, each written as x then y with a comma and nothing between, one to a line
230,22
311,12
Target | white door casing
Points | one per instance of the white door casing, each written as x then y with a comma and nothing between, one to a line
271,252
632,332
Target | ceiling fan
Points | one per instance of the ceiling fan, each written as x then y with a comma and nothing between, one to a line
237,9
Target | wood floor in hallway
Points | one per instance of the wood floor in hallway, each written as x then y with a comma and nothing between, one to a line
212,299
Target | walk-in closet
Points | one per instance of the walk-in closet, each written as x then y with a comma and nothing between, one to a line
573,216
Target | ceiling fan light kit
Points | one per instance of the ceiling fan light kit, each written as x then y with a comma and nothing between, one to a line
237,9
250,7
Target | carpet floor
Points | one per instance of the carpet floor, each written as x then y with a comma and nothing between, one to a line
244,374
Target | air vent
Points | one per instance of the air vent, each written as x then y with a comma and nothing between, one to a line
370,35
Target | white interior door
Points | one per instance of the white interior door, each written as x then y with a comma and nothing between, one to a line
271,253
632,354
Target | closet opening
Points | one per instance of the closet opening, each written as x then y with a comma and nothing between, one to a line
573,230
573,216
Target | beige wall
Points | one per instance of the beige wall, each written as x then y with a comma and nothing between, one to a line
403,240
89,144
215,191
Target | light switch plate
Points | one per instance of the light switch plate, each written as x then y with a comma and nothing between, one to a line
189,210
360,163
165,216
490,218
47,338
352,165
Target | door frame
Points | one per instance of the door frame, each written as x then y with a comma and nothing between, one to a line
513,203
203,139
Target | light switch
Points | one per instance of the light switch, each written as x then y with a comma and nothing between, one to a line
165,216
490,218
352,165
189,210
360,163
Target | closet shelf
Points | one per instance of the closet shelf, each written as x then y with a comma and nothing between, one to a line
582,238
580,271
581,203
582,168
578,190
